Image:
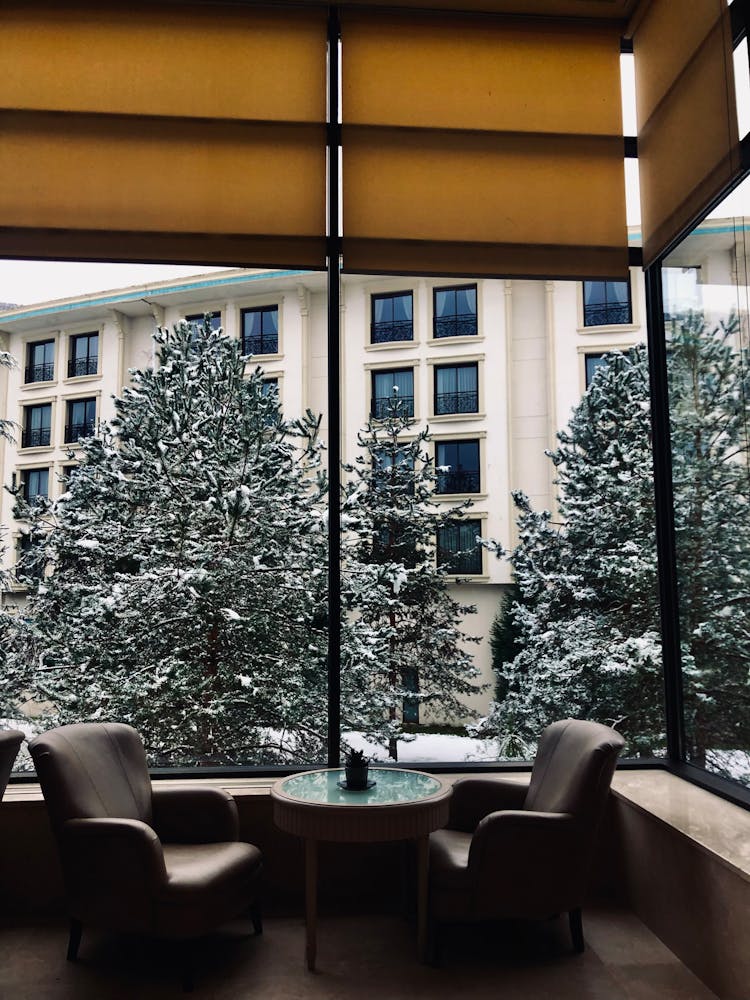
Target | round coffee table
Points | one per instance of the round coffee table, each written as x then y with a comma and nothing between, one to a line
402,805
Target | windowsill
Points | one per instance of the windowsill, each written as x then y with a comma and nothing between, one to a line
719,828
394,345
446,418
36,449
608,328
39,385
458,497
460,578
474,338
253,359
76,379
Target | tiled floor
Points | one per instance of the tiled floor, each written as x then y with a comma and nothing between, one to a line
358,957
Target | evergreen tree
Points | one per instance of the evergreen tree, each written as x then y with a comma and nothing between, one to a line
402,640
588,617
182,588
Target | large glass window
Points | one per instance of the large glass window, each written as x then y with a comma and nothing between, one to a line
260,330
457,548
37,426
40,361
391,387
456,389
84,355
455,311
392,318
35,484
707,324
606,303
592,362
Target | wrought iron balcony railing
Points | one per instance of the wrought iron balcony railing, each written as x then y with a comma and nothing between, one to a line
606,315
457,402
40,373
74,432
36,437
83,366
461,325
264,343
388,332
457,482
382,406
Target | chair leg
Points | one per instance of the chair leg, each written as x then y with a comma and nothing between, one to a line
433,943
74,939
256,916
187,968
576,930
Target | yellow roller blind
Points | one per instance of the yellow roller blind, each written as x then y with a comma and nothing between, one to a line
162,118
482,145
688,147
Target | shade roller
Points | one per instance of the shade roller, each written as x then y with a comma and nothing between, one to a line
155,119
482,146
688,145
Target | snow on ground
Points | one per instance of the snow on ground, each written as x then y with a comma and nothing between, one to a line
430,747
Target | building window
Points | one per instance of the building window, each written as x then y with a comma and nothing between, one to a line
84,355
606,303
81,419
457,466
37,426
457,548
40,361
455,312
456,389
594,361
392,318
388,387
35,484
195,322
270,386
260,330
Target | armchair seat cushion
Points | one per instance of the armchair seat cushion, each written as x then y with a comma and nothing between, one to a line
207,868
449,859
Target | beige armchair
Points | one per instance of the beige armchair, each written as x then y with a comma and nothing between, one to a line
138,857
523,851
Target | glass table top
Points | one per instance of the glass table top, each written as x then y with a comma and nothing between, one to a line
391,786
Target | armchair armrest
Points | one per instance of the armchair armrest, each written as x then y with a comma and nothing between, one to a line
475,798
198,814
113,869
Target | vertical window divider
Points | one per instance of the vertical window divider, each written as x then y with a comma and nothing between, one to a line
333,142
664,515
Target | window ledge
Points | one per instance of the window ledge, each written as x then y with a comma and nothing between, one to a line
719,828
39,385
76,379
42,448
446,418
609,328
393,345
473,338
457,497
252,359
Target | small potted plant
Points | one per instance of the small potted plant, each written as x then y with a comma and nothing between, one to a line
355,765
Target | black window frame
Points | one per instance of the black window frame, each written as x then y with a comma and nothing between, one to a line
273,337
593,356
391,331
374,408
589,319
469,479
456,395
457,317
79,429
40,437
88,365
44,372
195,321
471,562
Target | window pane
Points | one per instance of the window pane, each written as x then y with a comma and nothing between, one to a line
707,319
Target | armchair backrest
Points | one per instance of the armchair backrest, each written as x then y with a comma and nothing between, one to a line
93,770
10,741
573,769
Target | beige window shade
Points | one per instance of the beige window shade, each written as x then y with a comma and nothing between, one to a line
688,147
482,146
165,119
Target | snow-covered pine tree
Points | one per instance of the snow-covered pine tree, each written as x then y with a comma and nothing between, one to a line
185,586
403,640
589,616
